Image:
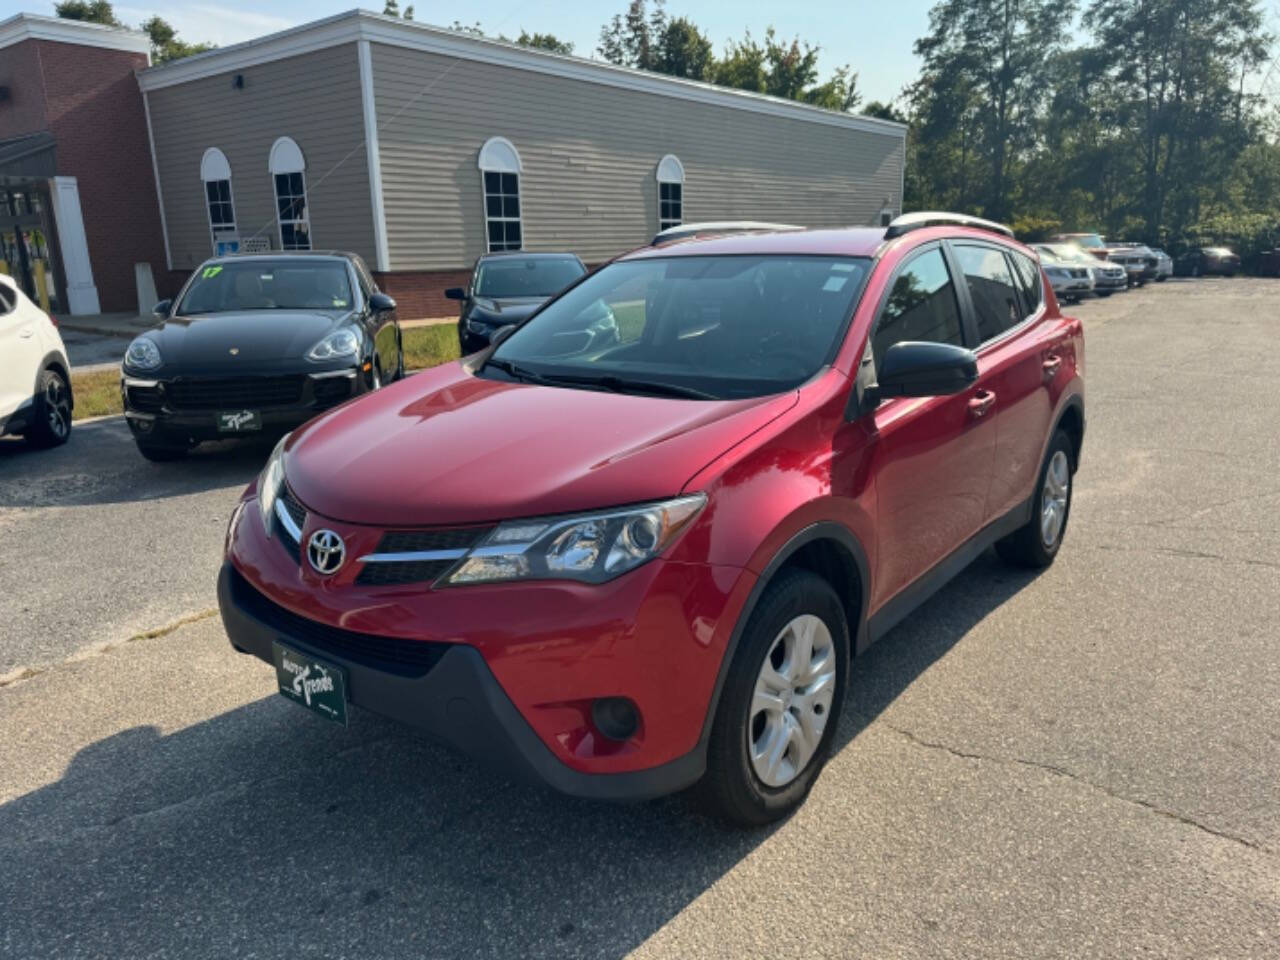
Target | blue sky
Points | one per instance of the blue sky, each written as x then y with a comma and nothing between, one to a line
875,38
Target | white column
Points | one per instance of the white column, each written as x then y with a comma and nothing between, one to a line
82,295
382,258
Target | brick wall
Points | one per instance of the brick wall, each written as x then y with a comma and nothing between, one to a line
24,111
420,293
95,112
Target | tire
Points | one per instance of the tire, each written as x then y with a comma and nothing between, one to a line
161,453
797,605
1105,293
1162,278
1031,544
51,426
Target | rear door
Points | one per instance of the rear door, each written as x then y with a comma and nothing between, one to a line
1015,363
934,454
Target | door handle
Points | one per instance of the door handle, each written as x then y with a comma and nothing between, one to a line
1052,364
26,332
981,404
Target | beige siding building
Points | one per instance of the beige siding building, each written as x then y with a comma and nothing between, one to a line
421,148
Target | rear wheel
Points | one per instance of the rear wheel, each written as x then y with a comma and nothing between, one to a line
1036,543
781,703
51,425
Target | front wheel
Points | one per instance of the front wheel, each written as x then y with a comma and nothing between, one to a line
1036,543
781,703
52,409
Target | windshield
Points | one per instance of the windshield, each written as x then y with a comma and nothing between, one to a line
525,276
1063,251
716,327
1088,240
268,285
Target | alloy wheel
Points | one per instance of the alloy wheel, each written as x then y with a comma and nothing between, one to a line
1053,498
792,700
57,405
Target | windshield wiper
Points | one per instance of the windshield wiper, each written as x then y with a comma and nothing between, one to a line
518,372
626,385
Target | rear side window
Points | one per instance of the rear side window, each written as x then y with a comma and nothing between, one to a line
1028,272
921,306
7,299
991,287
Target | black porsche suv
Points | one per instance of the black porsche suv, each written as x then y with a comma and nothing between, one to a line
258,344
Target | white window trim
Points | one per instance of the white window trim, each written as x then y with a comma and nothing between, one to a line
215,167
287,157
670,170
499,155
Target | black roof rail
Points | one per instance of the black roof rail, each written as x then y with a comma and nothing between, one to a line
934,218
686,230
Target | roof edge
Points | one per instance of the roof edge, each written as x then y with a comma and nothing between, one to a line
35,26
355,25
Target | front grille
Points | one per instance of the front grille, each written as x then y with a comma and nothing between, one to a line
297,512
145,399
407,658
456,538
241,392
415,541
413,571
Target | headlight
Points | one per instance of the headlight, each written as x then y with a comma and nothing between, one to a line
1057,272
143,354
270,481
339,344
592,548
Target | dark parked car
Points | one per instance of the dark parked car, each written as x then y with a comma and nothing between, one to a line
506,288
258,343
1207,260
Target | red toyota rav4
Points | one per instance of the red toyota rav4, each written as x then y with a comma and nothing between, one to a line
629,567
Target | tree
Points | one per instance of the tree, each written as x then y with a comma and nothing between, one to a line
544,41
838,93
90,11
165,44
684,51
632,39
742,65
790,67
984,68
392,9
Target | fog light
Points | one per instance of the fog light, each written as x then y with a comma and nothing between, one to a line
615,717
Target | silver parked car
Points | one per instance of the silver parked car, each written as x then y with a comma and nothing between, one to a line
1070,270
1164,265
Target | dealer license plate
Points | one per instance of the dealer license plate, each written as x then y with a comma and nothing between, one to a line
315,684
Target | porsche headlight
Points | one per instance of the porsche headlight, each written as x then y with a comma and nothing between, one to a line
143,354
270,482
336,346
592,547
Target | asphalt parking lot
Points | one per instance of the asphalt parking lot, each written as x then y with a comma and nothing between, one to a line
1083,763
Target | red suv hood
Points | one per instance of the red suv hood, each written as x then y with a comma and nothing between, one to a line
445,447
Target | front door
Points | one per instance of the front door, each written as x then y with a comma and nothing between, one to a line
933,454
19,353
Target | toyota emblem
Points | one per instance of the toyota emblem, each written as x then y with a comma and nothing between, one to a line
326,551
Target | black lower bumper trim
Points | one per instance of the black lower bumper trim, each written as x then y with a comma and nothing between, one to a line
459,702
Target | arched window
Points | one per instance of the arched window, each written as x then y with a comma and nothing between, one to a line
215,174
500,168
288,172
670,192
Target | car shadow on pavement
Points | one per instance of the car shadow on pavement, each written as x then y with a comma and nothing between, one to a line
268,831
100,464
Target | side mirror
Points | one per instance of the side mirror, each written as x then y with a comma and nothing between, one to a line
918,369
162,308
455,293
381,303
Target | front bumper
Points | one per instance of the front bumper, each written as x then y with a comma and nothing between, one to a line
505,672
457,702
156,411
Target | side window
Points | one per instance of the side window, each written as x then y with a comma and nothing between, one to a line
921,306
1029,280
7,299
991,288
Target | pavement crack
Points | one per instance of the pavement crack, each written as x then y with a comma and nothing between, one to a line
1083,781
1189,554
20,674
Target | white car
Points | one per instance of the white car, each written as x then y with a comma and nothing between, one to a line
35,382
